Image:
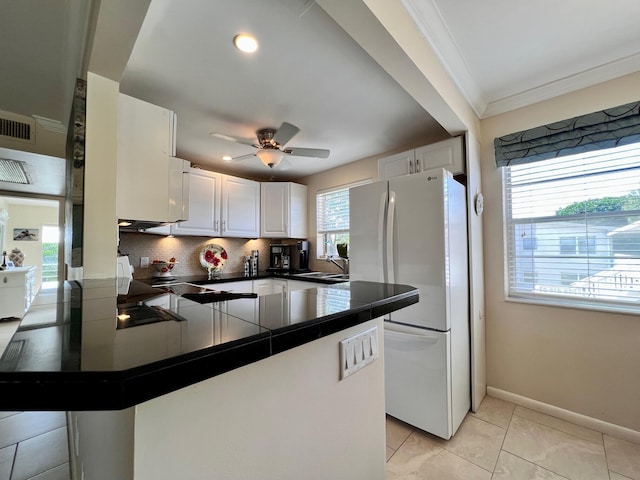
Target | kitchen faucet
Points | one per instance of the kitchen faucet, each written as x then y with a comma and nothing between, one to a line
344,267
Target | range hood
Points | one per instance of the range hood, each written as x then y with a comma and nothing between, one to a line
139,225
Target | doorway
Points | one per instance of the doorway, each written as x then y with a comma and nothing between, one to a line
43,247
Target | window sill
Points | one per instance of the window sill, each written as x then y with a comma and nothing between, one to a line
563,302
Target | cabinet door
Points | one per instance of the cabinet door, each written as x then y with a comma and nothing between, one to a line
446,154
13,294
396,165
204,205
145,143
283,207
268,286
240,207
274,209
293,285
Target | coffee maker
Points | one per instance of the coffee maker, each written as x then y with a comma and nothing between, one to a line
279,258
303,255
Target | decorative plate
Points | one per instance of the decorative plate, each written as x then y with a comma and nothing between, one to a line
213,257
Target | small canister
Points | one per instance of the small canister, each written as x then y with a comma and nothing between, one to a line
254,263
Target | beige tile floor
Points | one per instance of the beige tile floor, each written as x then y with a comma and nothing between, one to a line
505,441
7,329
501,441
33,445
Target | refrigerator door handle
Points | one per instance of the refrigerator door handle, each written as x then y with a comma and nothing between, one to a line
381,227
389,236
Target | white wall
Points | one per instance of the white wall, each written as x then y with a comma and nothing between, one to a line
286,417
29,217
579,360
101,145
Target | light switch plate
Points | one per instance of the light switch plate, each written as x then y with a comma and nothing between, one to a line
358,351
144,262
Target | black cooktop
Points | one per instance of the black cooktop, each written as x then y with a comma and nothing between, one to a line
184,288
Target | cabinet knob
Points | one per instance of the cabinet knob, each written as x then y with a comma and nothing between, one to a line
5,280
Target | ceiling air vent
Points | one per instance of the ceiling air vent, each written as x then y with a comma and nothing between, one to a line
17,127
13,171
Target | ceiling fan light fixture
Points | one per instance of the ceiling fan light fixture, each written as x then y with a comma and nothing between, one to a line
271,157
245,42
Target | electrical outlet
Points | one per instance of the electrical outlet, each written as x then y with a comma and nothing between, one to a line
144,262
358,351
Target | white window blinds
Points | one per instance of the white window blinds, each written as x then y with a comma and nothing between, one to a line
332,211
573,228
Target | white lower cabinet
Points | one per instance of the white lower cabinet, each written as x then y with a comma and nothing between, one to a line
17,290
299,285
200,331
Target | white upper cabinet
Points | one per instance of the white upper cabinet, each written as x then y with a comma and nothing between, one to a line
150,181
396,165
240,207
283,210
446,154
219,206
204,205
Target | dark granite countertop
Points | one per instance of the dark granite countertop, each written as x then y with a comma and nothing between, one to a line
84,347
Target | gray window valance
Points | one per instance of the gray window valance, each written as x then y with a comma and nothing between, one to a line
595,131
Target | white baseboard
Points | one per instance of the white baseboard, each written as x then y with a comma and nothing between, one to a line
583,420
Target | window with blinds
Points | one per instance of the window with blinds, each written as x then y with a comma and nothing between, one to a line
332,219
573,229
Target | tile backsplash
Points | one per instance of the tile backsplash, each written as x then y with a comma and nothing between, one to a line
186,251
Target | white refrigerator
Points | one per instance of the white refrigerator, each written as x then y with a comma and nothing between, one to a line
412,230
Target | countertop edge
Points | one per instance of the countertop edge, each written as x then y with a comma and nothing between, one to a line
117,390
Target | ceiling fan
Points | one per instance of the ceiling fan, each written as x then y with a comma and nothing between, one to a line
271,143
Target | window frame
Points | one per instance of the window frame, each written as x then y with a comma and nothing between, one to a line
321,238
583,245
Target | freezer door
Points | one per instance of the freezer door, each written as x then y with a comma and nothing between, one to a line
418,378
367,223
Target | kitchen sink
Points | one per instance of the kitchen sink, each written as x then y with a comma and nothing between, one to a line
312,274
340,276
324,275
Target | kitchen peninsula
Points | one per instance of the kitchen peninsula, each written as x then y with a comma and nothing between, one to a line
213,389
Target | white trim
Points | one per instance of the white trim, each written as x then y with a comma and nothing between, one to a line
436,32
601,426
587,78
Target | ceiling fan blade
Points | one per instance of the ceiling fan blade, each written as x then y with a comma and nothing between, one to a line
242,157
228,138
285,133
307,152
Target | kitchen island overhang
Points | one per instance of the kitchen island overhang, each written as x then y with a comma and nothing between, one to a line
62,381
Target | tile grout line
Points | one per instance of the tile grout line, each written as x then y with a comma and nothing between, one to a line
13,461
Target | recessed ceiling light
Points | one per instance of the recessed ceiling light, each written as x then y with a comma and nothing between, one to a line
226,158
245,42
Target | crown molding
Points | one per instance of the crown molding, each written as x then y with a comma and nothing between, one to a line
434,29
584,79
